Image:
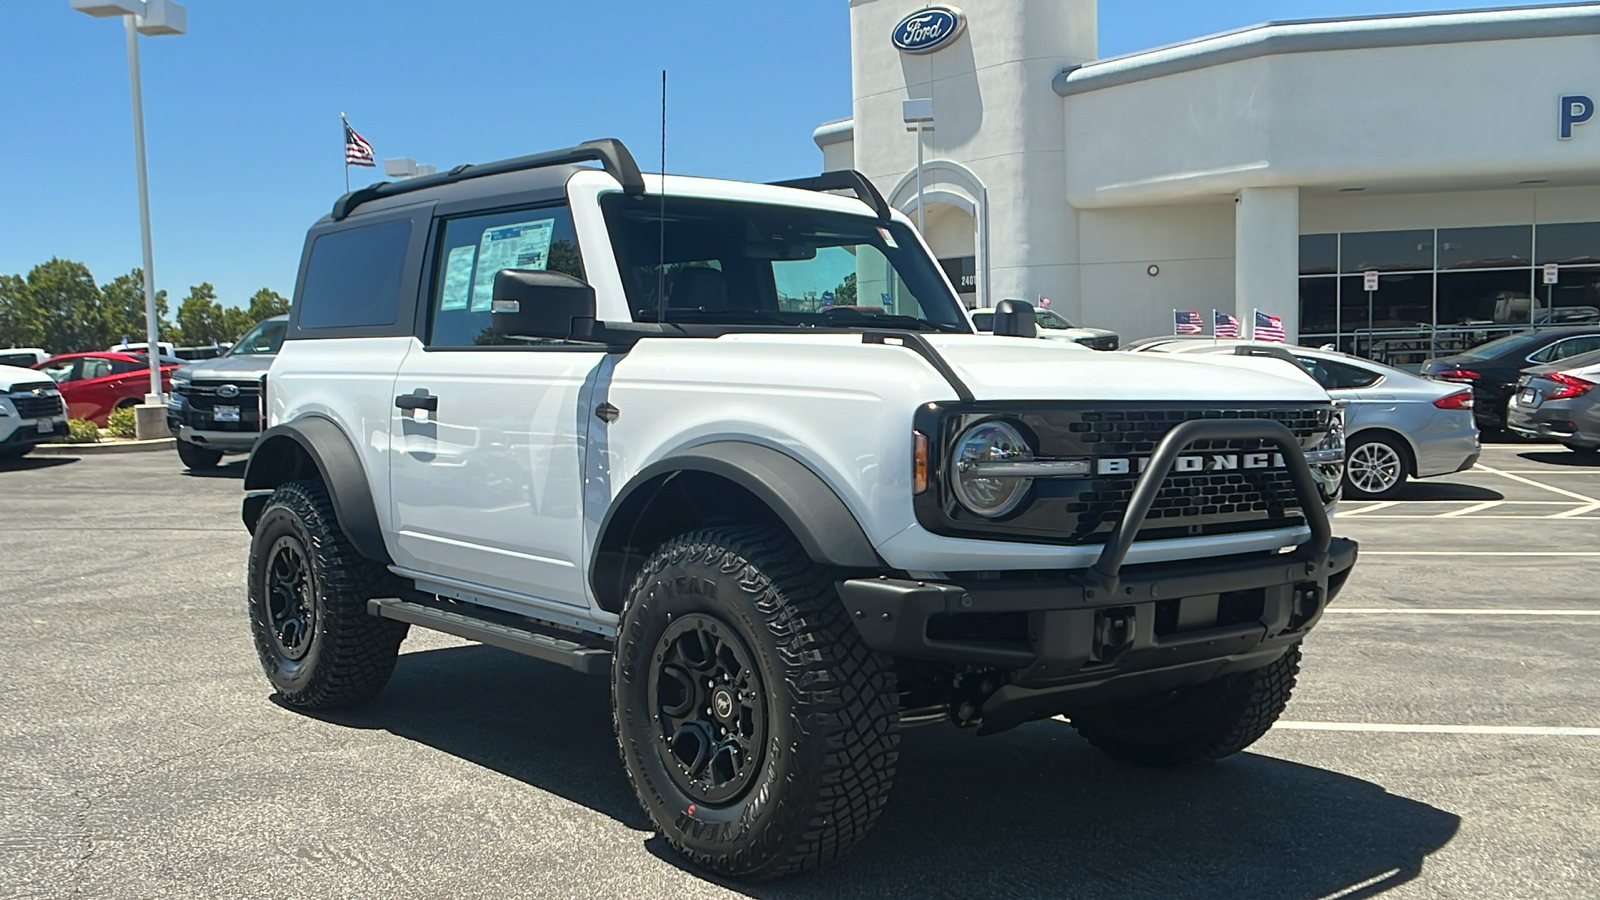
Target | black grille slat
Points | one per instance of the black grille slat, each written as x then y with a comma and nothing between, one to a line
35,407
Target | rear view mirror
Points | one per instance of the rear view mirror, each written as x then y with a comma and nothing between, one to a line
532,303
1014,318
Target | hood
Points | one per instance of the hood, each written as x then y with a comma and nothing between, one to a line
10,376
1076,333
244,367
998,368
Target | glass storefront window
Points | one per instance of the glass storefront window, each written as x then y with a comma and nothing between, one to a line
1495,247
1386,251
1575,300
1319,254
1318,303
1577,242
1485,298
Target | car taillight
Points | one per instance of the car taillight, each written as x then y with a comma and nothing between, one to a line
1458,400
1571,386
1458,375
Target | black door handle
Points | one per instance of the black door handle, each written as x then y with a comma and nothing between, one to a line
417,401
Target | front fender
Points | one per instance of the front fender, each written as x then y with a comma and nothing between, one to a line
313,446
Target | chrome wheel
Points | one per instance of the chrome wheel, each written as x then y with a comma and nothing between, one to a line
1375,468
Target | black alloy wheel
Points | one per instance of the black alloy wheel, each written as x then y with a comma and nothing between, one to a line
711,709
291,612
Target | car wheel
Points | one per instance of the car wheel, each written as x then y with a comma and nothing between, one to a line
1199,724
759,732
1375,468
308,592
197,458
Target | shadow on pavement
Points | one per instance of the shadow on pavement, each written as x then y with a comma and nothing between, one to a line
24,463
1563,458
1034,812
1445,490
233,469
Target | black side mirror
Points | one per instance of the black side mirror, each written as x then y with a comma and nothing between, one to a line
531,303
1012,318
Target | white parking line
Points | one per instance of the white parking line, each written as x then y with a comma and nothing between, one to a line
1539,484
1421,611
1394,728
1574,512
1383,504
1468,510
1366,553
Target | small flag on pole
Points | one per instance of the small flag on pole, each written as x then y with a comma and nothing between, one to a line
1186,321
1269,328
1224,325
357,152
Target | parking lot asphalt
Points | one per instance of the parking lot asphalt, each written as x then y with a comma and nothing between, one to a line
1443,741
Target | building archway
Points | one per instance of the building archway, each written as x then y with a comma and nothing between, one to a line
956,218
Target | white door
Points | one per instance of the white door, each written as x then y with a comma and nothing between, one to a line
486,462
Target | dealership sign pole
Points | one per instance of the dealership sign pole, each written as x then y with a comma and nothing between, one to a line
1552,277
1369,281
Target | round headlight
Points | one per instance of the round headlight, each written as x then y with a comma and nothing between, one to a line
989,495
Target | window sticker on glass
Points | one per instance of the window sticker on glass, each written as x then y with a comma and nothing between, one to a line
525,245
458,277
888,238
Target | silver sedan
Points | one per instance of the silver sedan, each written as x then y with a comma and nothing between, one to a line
1397,425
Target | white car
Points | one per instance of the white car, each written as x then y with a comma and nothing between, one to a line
1053,326
574,412
1397,425
31,411
23,357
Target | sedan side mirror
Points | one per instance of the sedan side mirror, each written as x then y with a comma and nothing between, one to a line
532,303
1012,318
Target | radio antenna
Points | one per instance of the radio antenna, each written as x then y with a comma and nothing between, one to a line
661,260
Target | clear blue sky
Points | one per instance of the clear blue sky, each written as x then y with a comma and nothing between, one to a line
242,113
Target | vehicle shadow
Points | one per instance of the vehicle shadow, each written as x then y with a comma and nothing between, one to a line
1035,812
1564,458
1446,490
22,464
233,469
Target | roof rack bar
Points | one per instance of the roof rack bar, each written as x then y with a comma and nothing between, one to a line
609,152
840,179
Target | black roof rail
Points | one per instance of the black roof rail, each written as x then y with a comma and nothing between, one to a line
609,152
842,179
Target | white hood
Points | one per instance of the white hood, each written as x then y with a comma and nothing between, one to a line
998,368
14,375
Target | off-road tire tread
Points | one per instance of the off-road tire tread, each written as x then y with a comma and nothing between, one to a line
1243,709
359,650
851,687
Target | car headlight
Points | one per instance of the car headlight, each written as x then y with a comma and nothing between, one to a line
985,494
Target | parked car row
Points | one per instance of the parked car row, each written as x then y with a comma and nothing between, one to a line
1558,401
1494,369
213,407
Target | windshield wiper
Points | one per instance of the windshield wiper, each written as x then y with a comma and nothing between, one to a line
852,317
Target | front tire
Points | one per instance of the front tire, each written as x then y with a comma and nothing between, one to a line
308,593
759,732
1199,724
1375,468
197,459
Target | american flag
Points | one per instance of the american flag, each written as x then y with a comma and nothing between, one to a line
1269,328
357,152
1186,321
1224,325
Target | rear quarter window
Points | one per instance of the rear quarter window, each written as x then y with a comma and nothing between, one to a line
354,276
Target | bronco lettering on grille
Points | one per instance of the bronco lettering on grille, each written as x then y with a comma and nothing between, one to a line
1207,462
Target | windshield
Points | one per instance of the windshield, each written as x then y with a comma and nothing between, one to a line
265,338
727,262
1508,344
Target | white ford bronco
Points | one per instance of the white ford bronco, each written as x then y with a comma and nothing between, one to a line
738,448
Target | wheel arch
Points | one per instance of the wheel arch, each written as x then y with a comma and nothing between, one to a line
751,483
1407,449
313,446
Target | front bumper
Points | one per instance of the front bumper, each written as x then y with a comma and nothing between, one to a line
27,433
226,441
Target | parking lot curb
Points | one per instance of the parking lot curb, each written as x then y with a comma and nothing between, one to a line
103,447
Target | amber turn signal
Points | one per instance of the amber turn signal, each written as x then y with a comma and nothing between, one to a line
919,462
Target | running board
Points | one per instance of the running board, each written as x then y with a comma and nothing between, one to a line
575,656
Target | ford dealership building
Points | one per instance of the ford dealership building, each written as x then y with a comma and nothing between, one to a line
1455,154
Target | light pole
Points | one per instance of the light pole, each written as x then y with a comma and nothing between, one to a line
152,17
918,116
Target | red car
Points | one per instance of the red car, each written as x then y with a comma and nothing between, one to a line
94,384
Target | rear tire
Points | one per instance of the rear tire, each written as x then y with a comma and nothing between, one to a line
1375,467
759,732
197,458
1199,724
308,593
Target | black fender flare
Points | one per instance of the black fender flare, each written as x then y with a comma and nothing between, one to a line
278,457
825,527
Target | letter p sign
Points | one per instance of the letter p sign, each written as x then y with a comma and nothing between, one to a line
1576,109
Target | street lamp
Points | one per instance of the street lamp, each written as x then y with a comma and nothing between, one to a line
152,17
918,116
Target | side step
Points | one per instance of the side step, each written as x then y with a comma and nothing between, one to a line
575,656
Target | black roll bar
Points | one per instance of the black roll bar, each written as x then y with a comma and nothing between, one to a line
843,179
1107,567
609,152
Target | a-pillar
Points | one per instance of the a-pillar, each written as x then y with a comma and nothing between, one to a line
1266,222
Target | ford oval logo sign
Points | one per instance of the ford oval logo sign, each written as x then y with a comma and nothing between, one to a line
926,30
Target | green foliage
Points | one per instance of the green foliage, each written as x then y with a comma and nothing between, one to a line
82,431
21,324
205,321
123,422
265,304
68,303
845,293
122,311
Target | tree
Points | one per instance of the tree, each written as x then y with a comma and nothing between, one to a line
845,293
68,305
21,324
122,310
266,303
200,316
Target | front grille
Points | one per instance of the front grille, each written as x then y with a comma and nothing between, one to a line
200,398
34,406
1086,510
